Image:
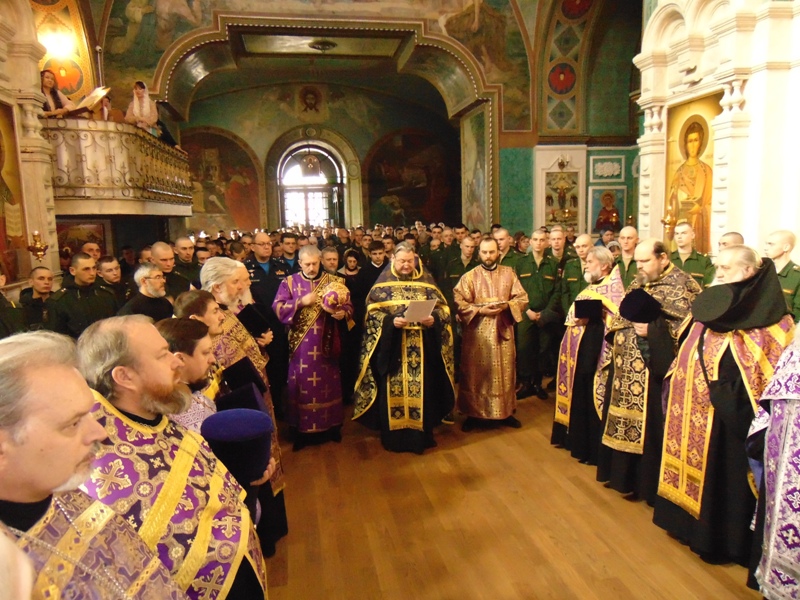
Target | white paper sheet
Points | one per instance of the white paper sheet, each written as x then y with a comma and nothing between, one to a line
418,310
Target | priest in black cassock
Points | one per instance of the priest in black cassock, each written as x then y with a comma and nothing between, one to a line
741,325
405,384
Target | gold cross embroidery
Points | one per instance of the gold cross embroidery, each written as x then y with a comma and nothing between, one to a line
314,379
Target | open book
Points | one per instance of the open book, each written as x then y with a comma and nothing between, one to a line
89,102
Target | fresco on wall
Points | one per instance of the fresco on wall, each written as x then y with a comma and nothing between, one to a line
412,176
12,235
690,156
477,209
226,192
60,30
139,31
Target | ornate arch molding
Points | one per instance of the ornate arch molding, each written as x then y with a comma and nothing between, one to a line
443,62
695,48
20,53
330,140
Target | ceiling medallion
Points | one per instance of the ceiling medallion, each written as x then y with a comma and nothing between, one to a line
322,45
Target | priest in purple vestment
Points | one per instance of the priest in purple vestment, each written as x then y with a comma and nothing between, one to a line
312,304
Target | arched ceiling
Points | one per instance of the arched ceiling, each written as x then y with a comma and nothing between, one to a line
391,61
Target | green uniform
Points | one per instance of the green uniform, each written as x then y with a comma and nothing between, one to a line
73,308
189,271
629,274
789,277
572,283
12,318
540,282
511,259
699,266
453,271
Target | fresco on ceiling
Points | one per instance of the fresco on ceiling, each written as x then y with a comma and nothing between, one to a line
226,193
139,31
260,116
411,177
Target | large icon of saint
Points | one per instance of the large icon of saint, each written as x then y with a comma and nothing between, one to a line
689,195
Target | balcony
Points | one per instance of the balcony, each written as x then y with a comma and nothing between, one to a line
107,168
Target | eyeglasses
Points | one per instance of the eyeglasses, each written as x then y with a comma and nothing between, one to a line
157,277
261,244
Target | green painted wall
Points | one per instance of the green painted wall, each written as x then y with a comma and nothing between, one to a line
616,40
516,189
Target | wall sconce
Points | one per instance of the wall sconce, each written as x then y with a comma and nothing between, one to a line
37,248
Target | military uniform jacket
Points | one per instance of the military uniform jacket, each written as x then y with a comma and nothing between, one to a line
73,308
453,271
572,283
189,271
264,286
697,265
282,268
540,281
629,274
789,277
121,291
511,258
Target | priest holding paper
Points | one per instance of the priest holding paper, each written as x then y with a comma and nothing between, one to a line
490,300
405,383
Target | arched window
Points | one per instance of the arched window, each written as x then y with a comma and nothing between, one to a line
311,188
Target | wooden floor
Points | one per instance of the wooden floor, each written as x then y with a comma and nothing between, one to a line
496,514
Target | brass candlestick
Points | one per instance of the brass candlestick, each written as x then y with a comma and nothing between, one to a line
37,248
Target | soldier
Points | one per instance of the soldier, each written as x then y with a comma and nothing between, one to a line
688,259
628,238
508,255
77,305
779,248
185,262
110,272
538,274
163,256
572,280
33,299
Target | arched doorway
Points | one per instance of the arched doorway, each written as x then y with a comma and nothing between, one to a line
311,188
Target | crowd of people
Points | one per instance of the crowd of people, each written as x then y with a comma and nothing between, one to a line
131,393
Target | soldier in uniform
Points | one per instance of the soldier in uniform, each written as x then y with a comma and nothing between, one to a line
110,272
74,307
453,271
628,238
185,261
686,258
33,299
779,248
163,256
538,275
572,280
286,264
509,257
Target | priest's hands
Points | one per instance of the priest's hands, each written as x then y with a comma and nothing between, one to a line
640,329
267,474
581,322
309,299
265,339
491,310
338,315
400,322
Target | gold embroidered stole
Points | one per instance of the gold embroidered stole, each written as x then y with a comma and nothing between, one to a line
627,412
307,315
690,414
609,291
405,387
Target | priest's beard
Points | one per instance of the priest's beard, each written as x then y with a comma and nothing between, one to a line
235,303
591,277
82,473
166,400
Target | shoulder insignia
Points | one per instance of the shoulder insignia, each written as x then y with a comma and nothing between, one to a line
796,268
58,294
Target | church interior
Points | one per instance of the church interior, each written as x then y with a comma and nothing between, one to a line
331,113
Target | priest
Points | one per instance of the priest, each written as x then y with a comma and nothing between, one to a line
740,327
405,384
490,301
311,304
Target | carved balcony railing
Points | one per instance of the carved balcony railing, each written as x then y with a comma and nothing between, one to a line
107,168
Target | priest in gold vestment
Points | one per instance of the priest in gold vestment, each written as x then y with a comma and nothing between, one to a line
405,382
490,300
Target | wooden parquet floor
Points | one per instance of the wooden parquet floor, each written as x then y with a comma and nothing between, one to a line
495,514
